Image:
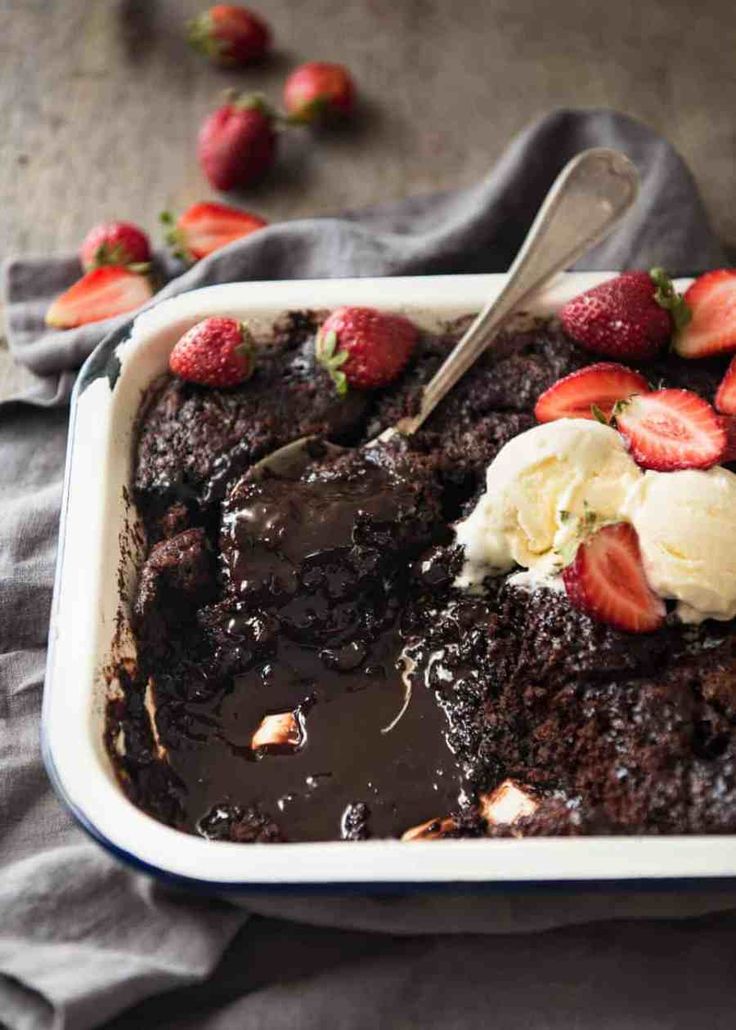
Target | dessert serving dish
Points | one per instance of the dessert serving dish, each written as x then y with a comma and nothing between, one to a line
117,760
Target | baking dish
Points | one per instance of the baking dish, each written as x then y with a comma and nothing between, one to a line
97,541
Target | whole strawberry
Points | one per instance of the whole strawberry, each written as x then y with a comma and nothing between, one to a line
216,352
230,35
319,91
237,143
114,243
630,317
364,348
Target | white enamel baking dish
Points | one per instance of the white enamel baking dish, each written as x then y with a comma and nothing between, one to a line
94,528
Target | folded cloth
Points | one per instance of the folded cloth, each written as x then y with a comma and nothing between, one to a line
81,938
475,230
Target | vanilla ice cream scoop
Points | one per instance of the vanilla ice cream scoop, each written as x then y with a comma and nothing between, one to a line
686,523
539,487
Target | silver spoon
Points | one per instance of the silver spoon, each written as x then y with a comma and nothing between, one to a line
587,199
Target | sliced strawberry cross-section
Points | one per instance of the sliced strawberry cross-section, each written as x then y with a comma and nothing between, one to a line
606,580
591,392
102,293
712,326
672,429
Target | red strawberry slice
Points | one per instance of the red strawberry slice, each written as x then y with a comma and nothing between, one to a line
672,429
726,393
591,392
204,228
606,580
712,327
102,293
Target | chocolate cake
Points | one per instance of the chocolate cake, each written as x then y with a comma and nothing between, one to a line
308,668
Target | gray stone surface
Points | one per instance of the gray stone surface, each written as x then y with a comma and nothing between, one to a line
100,99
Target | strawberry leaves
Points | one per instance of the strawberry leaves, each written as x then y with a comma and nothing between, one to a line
668,298
331,359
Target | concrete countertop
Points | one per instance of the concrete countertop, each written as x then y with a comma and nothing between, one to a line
100,100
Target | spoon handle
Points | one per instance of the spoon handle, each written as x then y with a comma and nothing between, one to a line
586,200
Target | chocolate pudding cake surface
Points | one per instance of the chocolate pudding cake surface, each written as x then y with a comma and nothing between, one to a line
307,669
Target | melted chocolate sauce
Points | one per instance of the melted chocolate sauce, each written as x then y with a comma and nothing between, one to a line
355,747
323,561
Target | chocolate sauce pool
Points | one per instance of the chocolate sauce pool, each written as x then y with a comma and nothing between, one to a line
317,562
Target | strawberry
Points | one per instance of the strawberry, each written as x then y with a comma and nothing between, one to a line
712,328
230,35
591,392
364,348
319,91
729,451
204,228
237,143
115,243
726,392
218,351
671,429
101,293
606,580
628,317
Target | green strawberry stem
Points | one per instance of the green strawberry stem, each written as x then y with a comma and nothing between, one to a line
312,111
598,414
201,36
331,359
668,298
249,102
175,238
586,525
246,350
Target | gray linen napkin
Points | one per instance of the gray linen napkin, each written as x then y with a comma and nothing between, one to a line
82,939
476,230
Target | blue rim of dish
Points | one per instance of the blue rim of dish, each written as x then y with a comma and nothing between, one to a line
200,885
104,363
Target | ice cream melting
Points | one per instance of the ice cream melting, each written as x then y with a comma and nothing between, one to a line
549,485
540,489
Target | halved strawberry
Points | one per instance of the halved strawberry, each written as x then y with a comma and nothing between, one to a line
712,327
672,429
726,393
102,293
204,228
606,580
591,392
